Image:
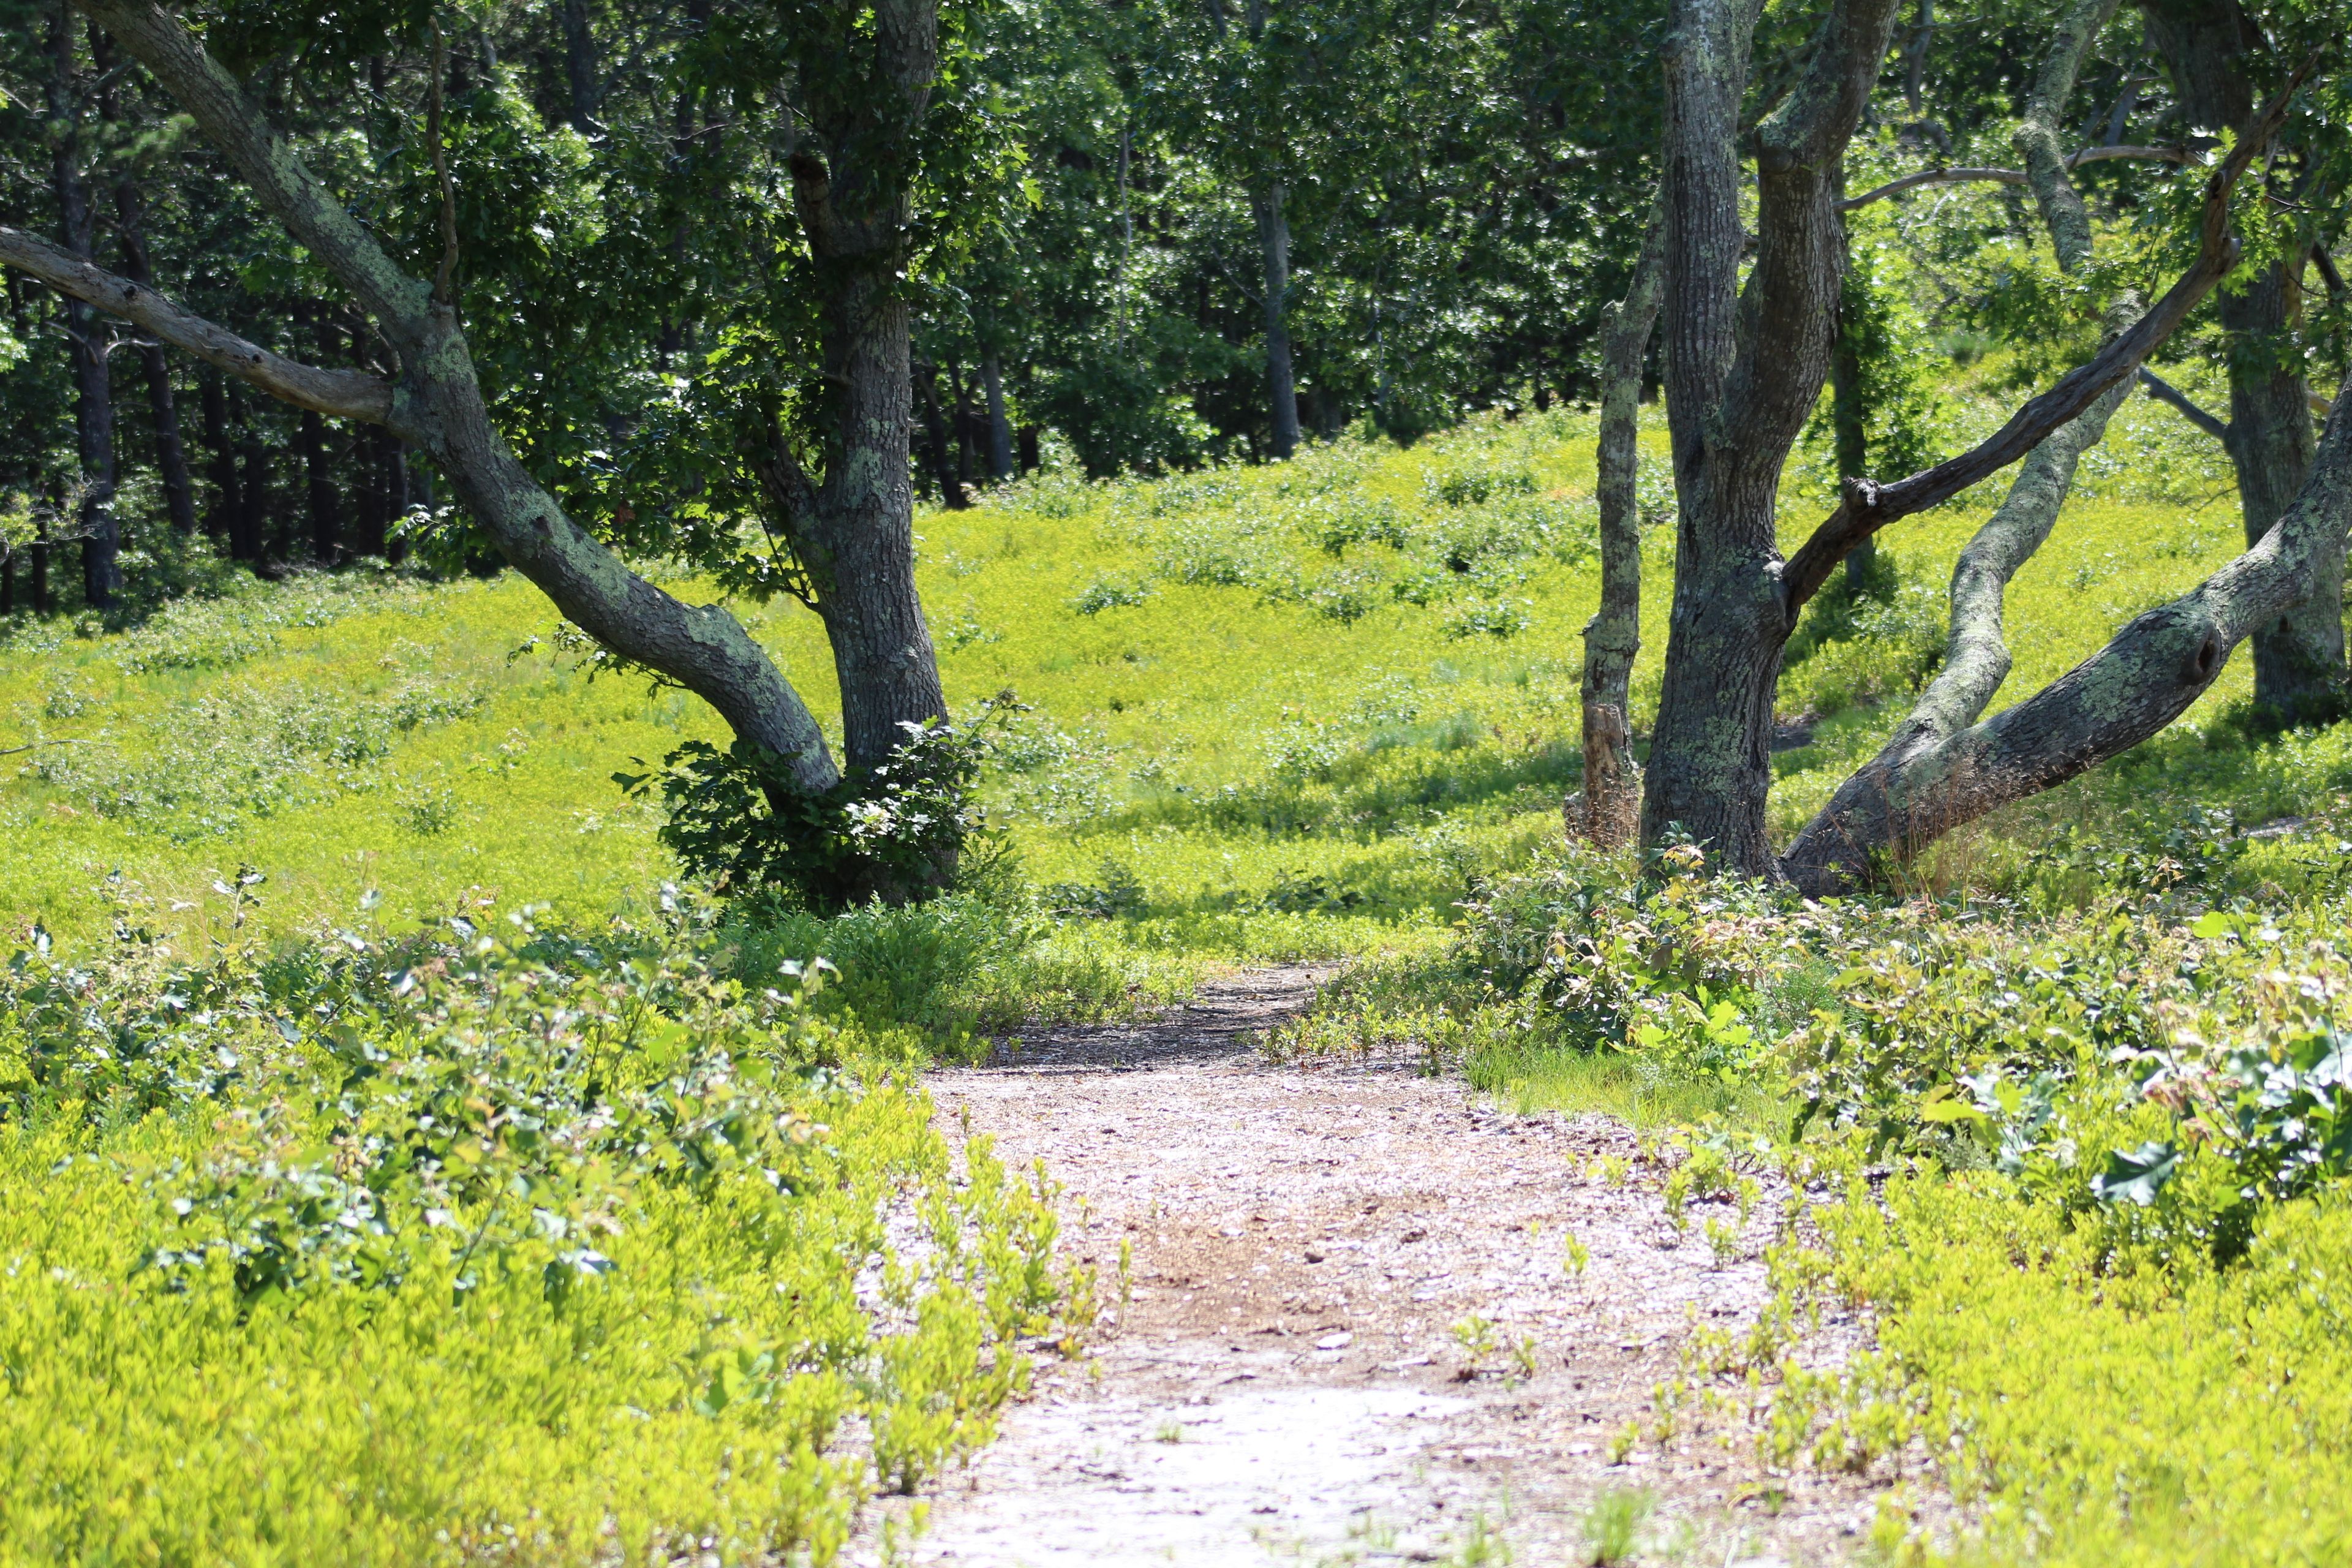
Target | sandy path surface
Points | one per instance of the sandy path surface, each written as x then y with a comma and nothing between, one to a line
1286,1382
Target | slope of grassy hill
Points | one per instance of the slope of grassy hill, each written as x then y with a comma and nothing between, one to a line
1273,711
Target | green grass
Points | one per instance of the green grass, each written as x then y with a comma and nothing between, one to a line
1282,757
1320,710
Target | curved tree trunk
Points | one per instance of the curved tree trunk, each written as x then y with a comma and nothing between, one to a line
1835,850
437,404
1609,811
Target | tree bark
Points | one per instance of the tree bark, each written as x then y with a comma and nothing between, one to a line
1744,368
87,343
855,532
1274,252
2140,682
437,404
1000,429
580,69
2299,661
1612,806
163,408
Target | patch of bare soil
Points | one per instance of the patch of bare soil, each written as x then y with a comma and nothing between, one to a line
1287,1382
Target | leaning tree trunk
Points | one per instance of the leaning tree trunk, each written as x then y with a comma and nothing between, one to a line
2127,691
1611,808
1273,255
436,405
1941,770
1832,852
2209,46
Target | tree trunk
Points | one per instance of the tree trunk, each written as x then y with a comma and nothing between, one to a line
935,432
248,535
162,409
1274,250
2209,46
1000,431
580,71
319,498
42,604
1743,374
1849,415
396,500
858,540
220,519
87,339
1611,804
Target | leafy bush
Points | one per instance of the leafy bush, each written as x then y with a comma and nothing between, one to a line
736,818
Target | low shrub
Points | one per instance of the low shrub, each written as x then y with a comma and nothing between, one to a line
524,1244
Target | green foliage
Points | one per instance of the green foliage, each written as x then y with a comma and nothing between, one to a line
543,1244
737,819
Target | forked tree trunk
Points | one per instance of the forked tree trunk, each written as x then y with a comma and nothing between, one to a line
1609,812
1744,367
1738,392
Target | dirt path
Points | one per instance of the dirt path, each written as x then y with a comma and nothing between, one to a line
1287,1385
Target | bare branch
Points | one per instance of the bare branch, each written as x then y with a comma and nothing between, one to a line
1966,174
2163,391
347,394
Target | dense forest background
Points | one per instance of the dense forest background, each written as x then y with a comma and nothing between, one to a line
1147,236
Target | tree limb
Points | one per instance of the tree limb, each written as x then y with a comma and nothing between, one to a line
1973,174
437,405
2163,391
1866,506
345,393
235,124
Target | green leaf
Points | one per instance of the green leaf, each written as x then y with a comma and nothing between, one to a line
2138,1174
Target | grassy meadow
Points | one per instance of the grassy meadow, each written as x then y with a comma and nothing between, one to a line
360,1055
1274,712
